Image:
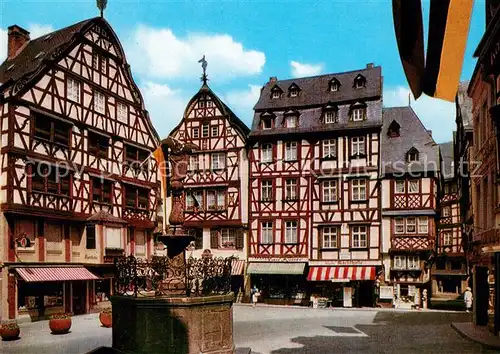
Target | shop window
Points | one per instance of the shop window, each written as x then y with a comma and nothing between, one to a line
91,240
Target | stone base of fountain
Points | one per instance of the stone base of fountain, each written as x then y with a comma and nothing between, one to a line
187,325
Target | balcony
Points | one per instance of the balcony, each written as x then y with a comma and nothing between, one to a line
488,237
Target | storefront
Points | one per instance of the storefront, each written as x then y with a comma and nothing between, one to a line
280,283
332,286
102,288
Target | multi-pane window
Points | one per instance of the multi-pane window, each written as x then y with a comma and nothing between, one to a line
101,190
413,262
399,262
136,197
99,62
216,200
52,130
291,151
73,90
196,133
400,186
122,112
446,211
329,148
358,189
334,86
215,130
330,237
193,163
98,145
134,157
99,102
358,114
411,225
267,232
329,191
357,145
218,161
294,92
276,94
291,230
204,130
447,238
194,199
412,156
267,190
103,64
413,186
399,225
291,122
267,153
290,189
359,237
267,123
330,116
228,238
49,179
423,225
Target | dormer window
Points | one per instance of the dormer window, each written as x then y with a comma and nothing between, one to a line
334,85
358,112
276,94
359,81
330,114
394,128
293,90
291,121
412,155
267,123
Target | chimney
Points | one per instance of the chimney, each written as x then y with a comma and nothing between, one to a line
17,38
273,79
369,66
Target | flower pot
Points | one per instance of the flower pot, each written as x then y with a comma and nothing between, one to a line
60,325
10,331
106,319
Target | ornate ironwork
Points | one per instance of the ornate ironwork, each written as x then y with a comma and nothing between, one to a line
164,276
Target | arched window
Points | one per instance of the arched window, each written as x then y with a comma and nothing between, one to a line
393,130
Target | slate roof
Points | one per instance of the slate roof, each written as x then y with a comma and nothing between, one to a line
25,61
447,160
465,104
412,135
105,217
314,90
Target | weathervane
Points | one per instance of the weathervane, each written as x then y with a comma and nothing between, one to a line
204,64
101,5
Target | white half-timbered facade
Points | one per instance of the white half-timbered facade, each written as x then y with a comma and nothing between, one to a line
74,133
409,176
314,151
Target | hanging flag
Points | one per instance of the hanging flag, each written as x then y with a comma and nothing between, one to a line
160,155
449,22
408,25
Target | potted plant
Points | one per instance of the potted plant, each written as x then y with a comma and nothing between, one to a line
106,317
9,331
60,323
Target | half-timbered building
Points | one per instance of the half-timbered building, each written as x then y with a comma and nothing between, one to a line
314,191
409,173
216,184
73,191
449,273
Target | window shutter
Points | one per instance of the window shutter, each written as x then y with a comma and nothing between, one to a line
239,239
214,239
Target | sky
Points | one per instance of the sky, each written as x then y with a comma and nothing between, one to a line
245,43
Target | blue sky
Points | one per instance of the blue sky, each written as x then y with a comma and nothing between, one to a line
245,43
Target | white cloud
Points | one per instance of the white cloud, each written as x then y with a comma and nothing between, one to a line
160,53
36,30
436,114
165,106
242,102
303,69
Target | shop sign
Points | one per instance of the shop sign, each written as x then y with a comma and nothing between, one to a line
109,259
335,262
386,292
282,260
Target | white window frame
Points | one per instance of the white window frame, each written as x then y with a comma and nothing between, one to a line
329,191
218,161
330,116
122,112
196,133
194,163
215,131
99,102
358,189
290,189
446,211
400,186
294,92
334,86
329,236
267,153
399,226
329,148
267,232
359,236
291,232
413,156
276,94
400,262
358,145
423,225
291,151
205,130
291,121
227,238
267,190
413,186
411,224
73,90
358,114
447,238
413,262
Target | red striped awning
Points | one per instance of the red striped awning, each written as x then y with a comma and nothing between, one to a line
341,273
237,267
55,274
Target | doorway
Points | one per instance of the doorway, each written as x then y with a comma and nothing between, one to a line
365,294
79,297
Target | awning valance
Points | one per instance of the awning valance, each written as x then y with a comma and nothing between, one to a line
42,274
341,273
237,267
276,268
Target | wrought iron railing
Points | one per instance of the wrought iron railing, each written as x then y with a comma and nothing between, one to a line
164,276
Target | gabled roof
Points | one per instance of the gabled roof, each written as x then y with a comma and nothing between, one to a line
412,134
446,150
104,217
315,90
